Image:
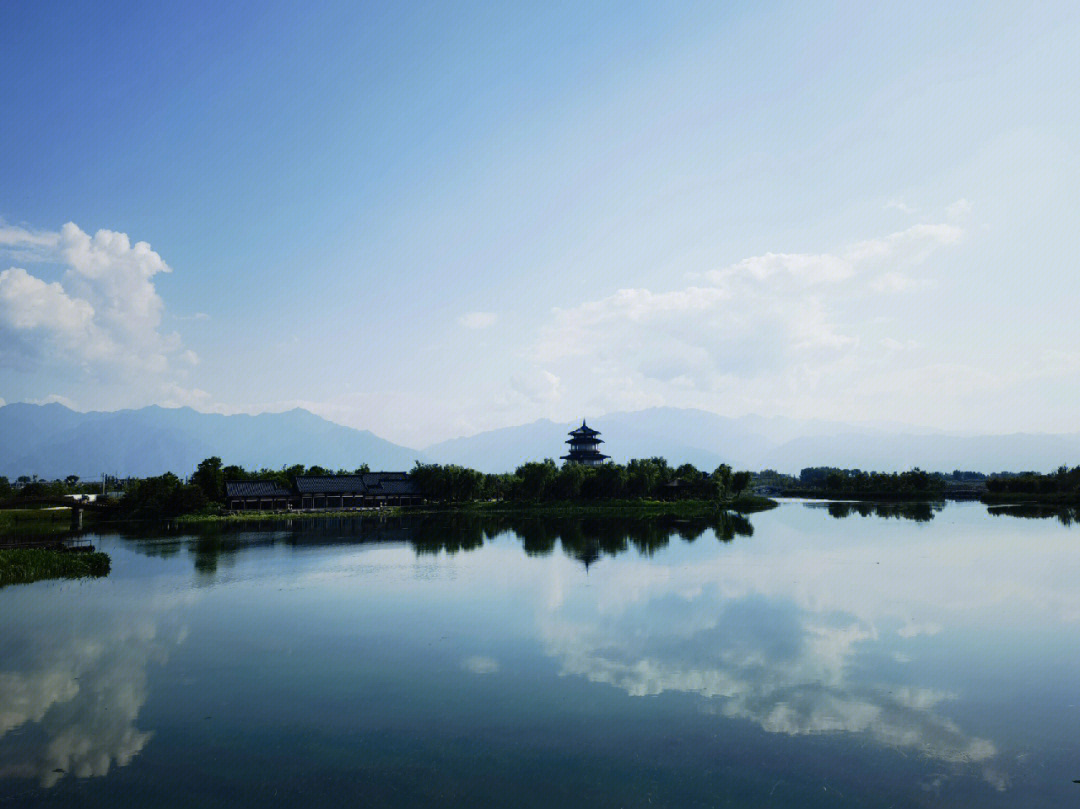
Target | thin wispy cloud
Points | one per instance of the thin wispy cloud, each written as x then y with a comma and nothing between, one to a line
478,320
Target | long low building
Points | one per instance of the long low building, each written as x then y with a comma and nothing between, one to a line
323,492
256,495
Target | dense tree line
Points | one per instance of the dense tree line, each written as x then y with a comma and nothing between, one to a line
210,475
1062,484
856,482
26,487
162,496
544,481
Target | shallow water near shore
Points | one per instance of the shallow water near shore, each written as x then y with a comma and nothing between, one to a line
805,656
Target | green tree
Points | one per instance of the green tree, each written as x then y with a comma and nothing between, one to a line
569,480
210,478
722,476
536,479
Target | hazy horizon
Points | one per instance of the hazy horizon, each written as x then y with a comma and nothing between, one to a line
429,222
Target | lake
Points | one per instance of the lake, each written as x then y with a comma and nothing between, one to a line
806,656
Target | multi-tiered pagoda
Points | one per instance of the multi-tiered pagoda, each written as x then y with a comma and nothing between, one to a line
584,446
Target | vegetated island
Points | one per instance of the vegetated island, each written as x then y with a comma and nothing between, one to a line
25,565
832,483
1061,487
643,488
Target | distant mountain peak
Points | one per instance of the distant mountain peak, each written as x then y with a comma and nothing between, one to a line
54,441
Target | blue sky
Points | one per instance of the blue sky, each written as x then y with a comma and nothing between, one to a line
429,220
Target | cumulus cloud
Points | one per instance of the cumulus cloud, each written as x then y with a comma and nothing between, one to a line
764,316
478,320
103,315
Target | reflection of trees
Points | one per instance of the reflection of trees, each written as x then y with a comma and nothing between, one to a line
1066,515
452,534
917,511
586,539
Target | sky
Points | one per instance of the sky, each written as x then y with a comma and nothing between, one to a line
429,220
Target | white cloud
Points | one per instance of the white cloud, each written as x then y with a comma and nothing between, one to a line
771,324
40,315
21,244
480,665
536,386
104,315
55,398
478,320
892,344
958,209
899,282
911,246
913,630
900,205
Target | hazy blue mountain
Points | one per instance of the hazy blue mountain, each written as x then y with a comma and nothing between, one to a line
680,435
52,441
755,442
942,452
505,449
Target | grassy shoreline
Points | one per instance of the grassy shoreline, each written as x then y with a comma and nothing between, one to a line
37,522
26,565
745,504
1030,498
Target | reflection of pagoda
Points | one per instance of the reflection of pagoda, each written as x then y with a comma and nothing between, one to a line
584,446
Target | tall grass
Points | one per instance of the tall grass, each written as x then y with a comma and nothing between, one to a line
35,521
24,565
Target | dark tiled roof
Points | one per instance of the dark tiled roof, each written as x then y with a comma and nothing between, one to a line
389,483
254,488
372,483
397,487
330,484
585,430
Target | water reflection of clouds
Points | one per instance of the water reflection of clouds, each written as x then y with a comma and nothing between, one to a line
803,641
72,687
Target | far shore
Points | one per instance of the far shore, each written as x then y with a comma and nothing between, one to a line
744,504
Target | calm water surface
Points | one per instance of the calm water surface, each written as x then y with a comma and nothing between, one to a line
808,659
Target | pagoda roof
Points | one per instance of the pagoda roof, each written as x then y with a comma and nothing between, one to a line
577,456
584,429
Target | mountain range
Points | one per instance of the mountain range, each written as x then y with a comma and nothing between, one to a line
53,441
